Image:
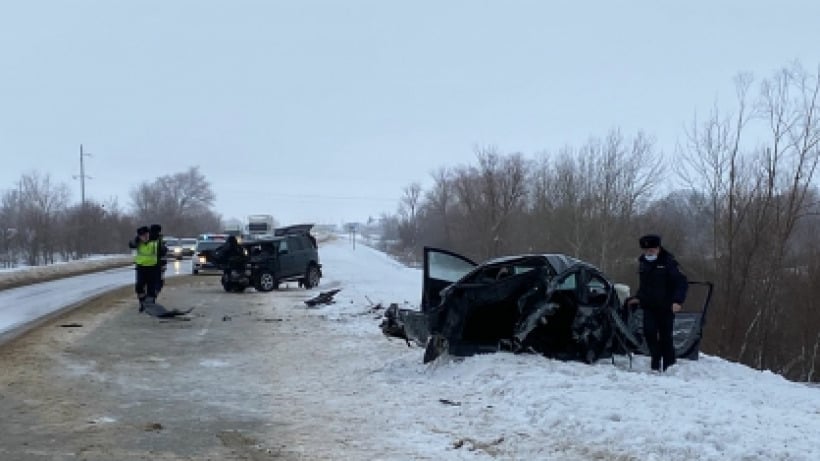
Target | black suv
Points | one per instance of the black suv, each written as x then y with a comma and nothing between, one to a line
291,255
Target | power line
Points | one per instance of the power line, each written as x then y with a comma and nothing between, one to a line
325,197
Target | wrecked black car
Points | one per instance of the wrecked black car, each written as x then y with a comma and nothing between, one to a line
550,304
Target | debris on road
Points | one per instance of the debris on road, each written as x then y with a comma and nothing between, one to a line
160,311
325,297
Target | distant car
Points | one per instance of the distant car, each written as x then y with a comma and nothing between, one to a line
188,246
552,304
202,261
174,247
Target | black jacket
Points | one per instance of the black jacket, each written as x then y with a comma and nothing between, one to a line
661,282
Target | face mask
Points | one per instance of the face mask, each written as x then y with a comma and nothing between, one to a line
650,258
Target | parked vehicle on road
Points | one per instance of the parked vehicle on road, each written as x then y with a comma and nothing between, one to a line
174,247
290,255
188,245
260,226
202,260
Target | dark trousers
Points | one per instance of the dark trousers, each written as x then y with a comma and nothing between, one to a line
159,279
657,327
146,284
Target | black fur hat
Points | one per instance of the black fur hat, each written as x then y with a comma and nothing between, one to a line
650,241
142,230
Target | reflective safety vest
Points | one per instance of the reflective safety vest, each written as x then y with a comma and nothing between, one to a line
146,253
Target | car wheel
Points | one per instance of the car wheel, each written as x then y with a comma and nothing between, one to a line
267,282
194,271
311,277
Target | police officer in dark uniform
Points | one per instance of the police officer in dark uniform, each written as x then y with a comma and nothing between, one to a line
233,254
155,234
661,292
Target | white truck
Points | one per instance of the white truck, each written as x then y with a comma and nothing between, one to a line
260,225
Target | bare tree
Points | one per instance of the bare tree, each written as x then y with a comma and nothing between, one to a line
587,198
83,230
759,195
180,202
438,204
409,220
713,162
788,164
10,205
43,202
489,195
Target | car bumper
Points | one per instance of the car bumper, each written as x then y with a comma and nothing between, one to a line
206,268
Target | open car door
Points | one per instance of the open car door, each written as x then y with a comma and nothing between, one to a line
441,269
687,330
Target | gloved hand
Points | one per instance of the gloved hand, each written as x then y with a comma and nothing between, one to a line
133,243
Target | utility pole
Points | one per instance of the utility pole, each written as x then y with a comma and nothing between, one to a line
82,175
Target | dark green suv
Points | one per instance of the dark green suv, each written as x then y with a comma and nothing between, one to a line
291,255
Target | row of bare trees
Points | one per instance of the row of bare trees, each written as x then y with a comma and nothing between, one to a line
38,223
746,218
757,170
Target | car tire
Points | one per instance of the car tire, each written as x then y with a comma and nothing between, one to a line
312,277
194,271
266,282
226,285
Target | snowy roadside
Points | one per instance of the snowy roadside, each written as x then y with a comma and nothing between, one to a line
20,276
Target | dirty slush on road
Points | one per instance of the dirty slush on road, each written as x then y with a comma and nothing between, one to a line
103,382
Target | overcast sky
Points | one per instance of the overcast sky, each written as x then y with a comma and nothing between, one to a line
324,110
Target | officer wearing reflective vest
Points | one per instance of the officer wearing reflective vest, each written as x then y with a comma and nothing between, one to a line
146,260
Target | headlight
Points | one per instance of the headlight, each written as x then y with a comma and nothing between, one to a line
177,250
202,260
